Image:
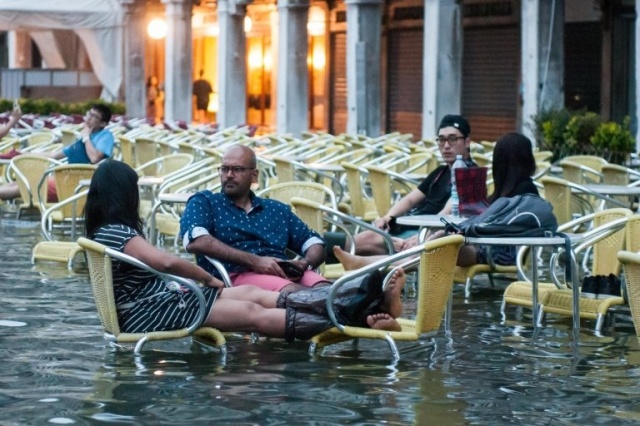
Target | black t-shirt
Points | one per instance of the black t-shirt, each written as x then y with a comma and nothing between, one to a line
436,188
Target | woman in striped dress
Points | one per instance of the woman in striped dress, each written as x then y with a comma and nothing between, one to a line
146,303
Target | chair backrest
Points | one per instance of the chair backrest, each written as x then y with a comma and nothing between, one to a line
29,170
100,273
614,174
285,169
590,161
579,173
145,150
542,155
313,191
559,195
632,239
631,263
165,165
126,150
604,260
435,281
354,187
381,188
67,178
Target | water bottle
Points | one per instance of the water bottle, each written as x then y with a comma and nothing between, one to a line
455,200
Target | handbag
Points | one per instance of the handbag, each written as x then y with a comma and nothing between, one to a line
471,183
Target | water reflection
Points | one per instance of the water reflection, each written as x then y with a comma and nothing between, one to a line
58,369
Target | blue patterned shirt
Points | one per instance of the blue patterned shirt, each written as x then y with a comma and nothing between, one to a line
268,229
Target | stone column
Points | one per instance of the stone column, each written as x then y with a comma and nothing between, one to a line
178,69
19,43
542,70
293,77
363,66
232,67
134,36
442,63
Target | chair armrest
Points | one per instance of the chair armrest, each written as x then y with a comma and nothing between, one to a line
48,212
192,286
221,270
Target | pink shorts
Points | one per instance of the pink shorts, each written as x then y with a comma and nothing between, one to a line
273,282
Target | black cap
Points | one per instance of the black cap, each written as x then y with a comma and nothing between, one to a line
457,121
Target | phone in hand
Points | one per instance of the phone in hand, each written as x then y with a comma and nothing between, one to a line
290,270
16,105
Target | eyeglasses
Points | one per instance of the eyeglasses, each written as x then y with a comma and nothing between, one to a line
236,170
453,140
93,115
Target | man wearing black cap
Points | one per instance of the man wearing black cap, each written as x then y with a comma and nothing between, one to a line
430,197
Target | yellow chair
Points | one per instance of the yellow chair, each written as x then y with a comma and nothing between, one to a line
59,251
542,155
520,292
362,206
285,191
565,204
591,161
29,170
99,258
144,150
435,279
322,218
630,261
579,173
387,187
604,240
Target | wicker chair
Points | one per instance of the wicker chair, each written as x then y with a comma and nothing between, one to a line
631,263
285,191
436,261
99,258
362,206
605,239
29,170
320,217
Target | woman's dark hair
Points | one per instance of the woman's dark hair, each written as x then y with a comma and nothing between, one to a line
113,198
513,162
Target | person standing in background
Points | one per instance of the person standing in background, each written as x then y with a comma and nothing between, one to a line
153,96
202,90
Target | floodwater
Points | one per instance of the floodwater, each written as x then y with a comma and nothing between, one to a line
57,369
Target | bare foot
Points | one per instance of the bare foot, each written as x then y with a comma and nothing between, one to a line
392,302
383,322
351,261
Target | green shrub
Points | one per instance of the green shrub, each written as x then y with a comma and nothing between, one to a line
565,132
579,130
615,139
49,106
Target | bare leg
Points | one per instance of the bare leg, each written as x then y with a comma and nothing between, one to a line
369,243
9,191
383,322
239,315
250,293
467,256
352,261
392,303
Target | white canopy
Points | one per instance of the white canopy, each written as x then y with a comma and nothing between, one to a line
98,23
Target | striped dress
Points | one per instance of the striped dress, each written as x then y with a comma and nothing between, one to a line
143,300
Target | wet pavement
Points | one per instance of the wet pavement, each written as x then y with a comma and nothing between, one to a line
57,369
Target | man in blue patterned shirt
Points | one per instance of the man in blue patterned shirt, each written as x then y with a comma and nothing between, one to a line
249,234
